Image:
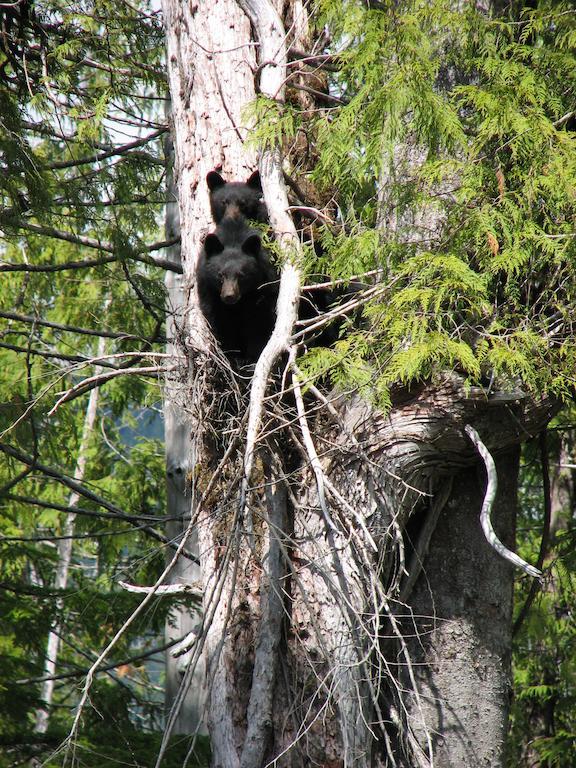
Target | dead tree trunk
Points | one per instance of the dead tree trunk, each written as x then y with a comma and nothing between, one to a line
211,61
302,542
65,552
178,442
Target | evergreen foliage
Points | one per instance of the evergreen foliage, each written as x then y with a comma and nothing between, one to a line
478,243
82,194
543,726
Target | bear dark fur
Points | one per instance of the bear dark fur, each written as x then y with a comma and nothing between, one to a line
237,288
235,199
237,284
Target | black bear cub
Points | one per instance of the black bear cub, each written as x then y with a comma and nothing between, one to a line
235,199
237,288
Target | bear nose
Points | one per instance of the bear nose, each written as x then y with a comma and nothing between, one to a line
229,293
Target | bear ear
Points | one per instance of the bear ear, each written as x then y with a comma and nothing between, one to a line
254,181
251,246
214,180
212,245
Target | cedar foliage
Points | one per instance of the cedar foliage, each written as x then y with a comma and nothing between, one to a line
487,104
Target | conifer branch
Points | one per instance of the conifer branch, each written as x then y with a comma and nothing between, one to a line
6,266
76,329
88,242
93,64
69,482
545,540
74,536
104,668
112,152
102,378
55,355
49,130
137,519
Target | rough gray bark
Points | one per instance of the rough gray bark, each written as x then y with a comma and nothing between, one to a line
414,450
462,609
210,66
178,443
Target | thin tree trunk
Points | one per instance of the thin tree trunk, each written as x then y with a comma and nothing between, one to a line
563,483
64,548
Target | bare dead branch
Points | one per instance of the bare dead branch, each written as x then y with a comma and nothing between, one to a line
259,716
189,590
320,96
309,443
317,61
489,497
273,58
186,644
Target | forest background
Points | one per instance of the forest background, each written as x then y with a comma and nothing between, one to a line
487,95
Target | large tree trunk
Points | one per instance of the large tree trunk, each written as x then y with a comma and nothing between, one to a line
462,611
303,566
210,65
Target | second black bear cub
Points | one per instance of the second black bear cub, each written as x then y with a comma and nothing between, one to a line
237,288
234,199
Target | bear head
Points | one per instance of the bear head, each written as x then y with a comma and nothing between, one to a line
233,271
234,199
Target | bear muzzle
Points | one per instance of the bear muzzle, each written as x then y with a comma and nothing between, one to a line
230,292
